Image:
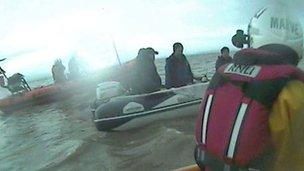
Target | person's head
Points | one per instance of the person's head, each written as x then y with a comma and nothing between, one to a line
178,48
58,62
141,53
225,52
277,30
151,53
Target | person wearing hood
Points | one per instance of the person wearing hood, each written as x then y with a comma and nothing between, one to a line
74,72
145,78
178,70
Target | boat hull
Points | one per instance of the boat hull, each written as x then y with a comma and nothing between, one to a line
122,123
128,112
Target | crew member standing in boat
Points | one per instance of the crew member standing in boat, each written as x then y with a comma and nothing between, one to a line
58,72
74,72
253,111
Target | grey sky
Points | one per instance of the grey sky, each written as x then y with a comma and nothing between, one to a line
39,31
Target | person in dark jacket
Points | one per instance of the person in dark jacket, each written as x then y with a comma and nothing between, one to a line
178,70
58,72
73,69
145,77
224,58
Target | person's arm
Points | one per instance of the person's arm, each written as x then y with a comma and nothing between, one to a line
218,63
53,74
168,75
230,59
190,70
286,123
188,66
156,76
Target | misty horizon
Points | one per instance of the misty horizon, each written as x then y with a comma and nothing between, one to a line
36,33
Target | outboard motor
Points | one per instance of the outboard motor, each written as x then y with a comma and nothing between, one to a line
17,83
107,90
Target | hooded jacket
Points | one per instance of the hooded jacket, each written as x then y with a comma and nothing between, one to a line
178,71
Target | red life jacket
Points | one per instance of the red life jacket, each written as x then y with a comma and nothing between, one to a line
232,124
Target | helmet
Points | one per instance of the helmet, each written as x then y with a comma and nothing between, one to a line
276,25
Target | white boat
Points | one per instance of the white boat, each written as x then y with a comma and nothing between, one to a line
128,112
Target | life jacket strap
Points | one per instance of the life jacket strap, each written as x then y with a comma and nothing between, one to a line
206,160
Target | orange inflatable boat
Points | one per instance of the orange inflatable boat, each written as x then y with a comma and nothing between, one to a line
38,96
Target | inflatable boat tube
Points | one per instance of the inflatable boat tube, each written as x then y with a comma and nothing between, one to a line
128,112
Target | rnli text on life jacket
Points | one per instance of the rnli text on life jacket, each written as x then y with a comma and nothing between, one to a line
284,24
245,70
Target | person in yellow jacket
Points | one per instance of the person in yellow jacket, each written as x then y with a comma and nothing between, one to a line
272,27
286,122
277,25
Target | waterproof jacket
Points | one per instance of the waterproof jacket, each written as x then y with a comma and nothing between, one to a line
276,90
58,73
144,77
178,71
